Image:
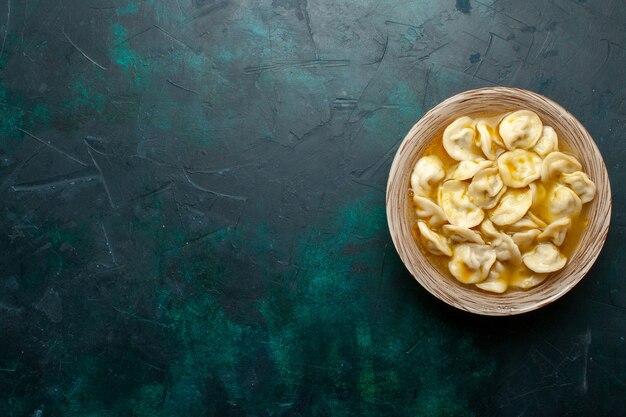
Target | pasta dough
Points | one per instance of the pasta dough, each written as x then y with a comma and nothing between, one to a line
465,170
434,242
427,173
525,240
519,168
471,262
580,183
556,231
457,205
557,163
548,142
544,258
494,282
429,211
506,249
561,202
521,129
490,143
512,207
459,140
523,224
486,188
507,202
462,234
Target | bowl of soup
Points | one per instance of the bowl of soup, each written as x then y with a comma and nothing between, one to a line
498,201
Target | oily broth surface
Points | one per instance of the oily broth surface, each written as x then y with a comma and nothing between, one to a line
568,248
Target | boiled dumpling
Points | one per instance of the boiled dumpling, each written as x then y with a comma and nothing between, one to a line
471,262
523,224
489,229
536,219
539,192
525,279
433,242
519,168
548,142
427,173
512,207
561,202
554,201
580,183
457,206
557,163
520,129
525,240
459,140
429,211
461,234
486,188
492,123
506,249
465,170
501,210
556,231
545,258
489,141
494,282
489,204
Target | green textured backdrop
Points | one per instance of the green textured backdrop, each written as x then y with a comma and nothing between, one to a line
192,209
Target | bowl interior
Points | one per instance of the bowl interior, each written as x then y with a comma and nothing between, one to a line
399,205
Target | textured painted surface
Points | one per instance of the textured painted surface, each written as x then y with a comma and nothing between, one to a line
192,217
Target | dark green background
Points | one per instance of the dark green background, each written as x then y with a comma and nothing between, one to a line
192,209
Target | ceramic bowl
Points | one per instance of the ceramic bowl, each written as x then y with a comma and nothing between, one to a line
399,204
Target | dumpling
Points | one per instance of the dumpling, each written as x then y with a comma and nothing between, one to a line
545,258
503,207
471,262
525,279
494,282
520,129
580,183
557,163
548,142
554,201
427,173
459,140
465,170
540,223
429,211
486,188
488,205
561,202
461,234
556,231
490,142
457,206
512,207
489,230
432,241
525,240
492,124
523,224
506,249
519,168
539,191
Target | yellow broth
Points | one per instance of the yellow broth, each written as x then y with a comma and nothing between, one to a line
568,248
